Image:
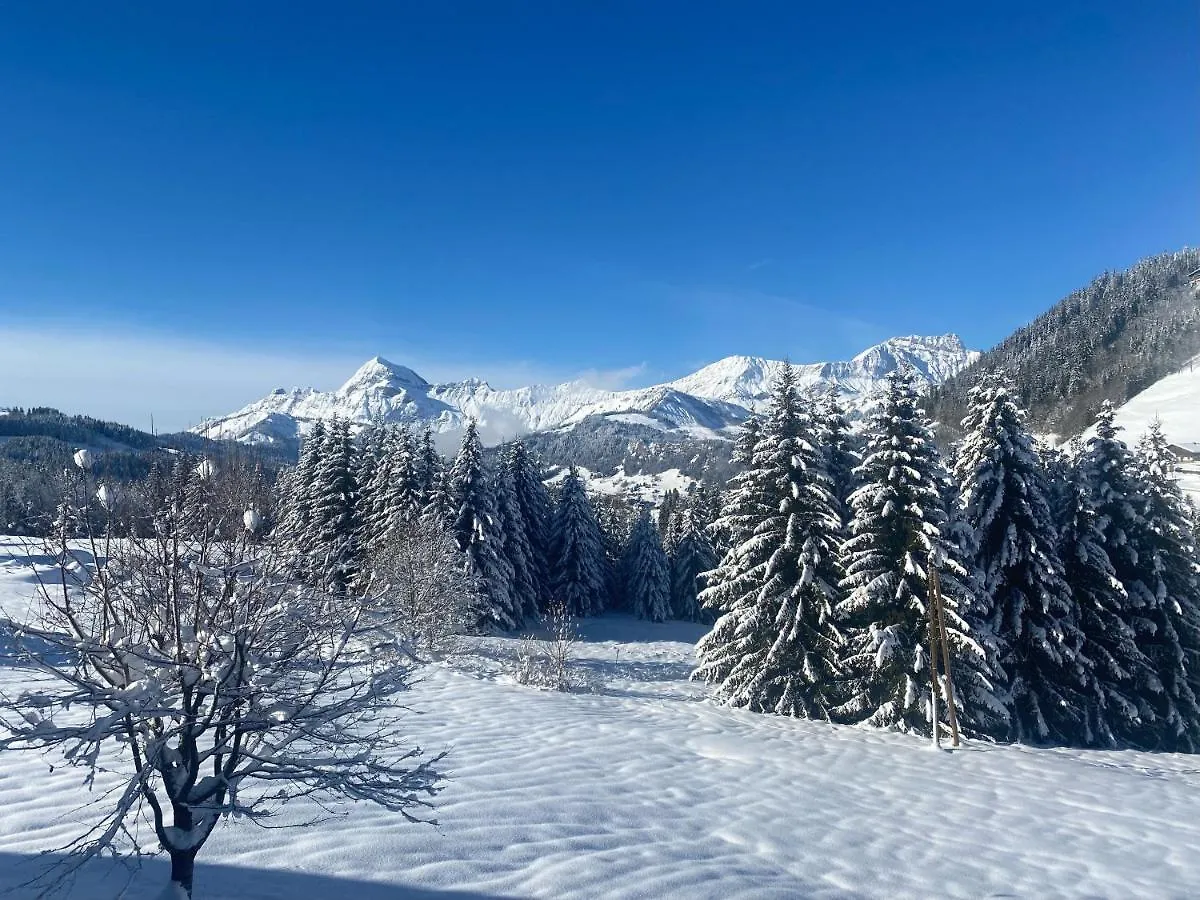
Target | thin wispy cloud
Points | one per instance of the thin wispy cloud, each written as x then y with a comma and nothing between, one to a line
614,379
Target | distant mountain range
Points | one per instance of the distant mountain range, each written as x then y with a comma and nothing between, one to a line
708,404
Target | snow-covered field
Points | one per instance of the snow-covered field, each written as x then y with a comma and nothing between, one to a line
1174,400
646,488
643,789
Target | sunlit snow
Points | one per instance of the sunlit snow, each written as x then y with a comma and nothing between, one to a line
645,789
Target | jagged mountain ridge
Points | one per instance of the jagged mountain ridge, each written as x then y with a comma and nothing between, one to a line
709,403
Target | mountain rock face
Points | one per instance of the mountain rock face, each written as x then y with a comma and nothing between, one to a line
710,403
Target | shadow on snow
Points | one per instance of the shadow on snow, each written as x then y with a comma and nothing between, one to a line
105,879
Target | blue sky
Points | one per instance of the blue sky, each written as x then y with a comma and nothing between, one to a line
231,196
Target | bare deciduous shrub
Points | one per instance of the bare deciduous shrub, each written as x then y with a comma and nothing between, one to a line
197,673
547,663
426,586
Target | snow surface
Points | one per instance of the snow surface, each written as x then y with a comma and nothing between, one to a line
709,403
638,486
643,789
1173,400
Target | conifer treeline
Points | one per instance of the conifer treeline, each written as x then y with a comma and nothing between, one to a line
350,492
1070,582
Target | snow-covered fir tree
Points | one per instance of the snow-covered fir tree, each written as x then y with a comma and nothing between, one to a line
666,518
841,448
370,474
477,528
743,503
297,495
536,512
694,556
578,573
616,515
1004,492
1118,665
334,551
523,584
1168,542
402,495
1115,490
775,646
899,521
439,510
429,466
647,572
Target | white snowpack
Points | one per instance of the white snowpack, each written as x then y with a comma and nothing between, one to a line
1175,401
645,789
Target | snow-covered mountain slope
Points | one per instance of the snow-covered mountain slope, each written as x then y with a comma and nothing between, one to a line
709,403
746,380
646,488
1175,402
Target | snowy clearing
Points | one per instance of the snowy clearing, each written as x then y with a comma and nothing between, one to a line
645,790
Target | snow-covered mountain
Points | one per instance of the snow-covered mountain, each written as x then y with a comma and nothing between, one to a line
710,403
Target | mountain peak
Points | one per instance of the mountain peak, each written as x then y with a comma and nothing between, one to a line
378,370
711,402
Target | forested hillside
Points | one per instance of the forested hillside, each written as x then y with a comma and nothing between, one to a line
37,444
1107,341
603,445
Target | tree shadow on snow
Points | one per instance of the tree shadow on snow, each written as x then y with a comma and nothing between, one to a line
641,670
502,656
627,629
105,879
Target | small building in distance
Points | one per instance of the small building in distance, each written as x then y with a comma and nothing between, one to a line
1186,451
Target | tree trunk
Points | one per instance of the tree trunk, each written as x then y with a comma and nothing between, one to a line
183,866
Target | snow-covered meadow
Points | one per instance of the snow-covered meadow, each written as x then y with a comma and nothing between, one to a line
642,788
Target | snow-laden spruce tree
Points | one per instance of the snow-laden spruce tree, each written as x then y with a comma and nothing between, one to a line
578,576
1110,474
429,465
647,572
616,515
518,550
370,474
333,540
296,495
536,511
1004,493
899,521
439,510
743,503
400,495
694,557
1118,665
478,530
197,680
1167,539
841,449
775,646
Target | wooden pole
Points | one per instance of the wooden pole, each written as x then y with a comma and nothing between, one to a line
941,618
933,678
